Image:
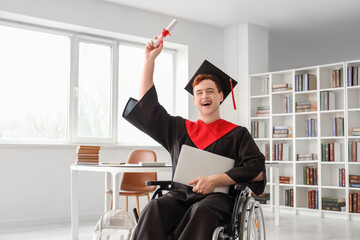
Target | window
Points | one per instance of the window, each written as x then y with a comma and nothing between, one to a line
131,60
34,80
66,87
94,98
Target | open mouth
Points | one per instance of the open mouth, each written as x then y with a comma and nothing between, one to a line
206,104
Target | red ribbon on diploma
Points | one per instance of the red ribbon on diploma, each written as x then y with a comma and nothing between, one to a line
232,93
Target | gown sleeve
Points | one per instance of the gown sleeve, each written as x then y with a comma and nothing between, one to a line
151,118
251,163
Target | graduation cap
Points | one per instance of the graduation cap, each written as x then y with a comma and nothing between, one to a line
225,81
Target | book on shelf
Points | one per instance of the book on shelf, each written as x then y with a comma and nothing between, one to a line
262,111
281,152
352,76
285,180
287,104
327,100
341,177
265,86
337,126
87,154
333,204
282,131
289,197
313,199
311,128
354,181
331,152
305,106
355,131
310,175
305,82
354,151
337,78
281,87
267,151
258,129
354,202
306,156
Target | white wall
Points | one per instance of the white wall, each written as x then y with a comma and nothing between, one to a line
317,46
35,180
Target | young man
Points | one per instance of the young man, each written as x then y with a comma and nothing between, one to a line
185,212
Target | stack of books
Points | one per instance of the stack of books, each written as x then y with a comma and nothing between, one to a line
310,175
87,154
354,151
337,78
356,131
354,181
281,132
285,180
281,87
313,199
262,111
333,204
262,198
306,106
306,156
354,202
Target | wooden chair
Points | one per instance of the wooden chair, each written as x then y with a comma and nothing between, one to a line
133,184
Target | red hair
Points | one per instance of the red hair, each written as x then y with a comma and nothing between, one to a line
199,78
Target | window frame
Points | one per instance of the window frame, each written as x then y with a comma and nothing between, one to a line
73,84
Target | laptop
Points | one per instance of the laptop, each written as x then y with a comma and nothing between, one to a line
194,162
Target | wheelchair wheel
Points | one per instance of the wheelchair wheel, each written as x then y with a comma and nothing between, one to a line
252,225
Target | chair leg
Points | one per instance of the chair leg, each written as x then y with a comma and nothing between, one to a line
137,204
111,202
127,203
148,196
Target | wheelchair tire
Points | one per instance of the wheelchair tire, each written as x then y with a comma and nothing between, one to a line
252,225
218,233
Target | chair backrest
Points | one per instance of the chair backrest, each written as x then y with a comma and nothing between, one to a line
136,181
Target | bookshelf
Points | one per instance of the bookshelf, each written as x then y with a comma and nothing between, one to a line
314,114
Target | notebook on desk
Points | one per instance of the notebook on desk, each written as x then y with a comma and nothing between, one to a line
194,162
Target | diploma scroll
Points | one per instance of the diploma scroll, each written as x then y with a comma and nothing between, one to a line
164,33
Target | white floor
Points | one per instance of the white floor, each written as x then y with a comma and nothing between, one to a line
292,227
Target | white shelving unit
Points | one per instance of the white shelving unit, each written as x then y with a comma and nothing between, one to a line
347,106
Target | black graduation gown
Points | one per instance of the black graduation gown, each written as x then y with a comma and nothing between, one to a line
177,210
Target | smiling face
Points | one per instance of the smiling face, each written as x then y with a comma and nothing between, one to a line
207,99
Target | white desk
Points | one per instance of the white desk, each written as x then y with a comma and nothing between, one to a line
111,182
275,166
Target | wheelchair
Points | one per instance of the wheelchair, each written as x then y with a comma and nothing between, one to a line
247,221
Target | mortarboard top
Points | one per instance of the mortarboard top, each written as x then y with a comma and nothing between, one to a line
218,76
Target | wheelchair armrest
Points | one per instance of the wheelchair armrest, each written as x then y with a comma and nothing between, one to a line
164,185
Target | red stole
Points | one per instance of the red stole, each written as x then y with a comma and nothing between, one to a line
204,135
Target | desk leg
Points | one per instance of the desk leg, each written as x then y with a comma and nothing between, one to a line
107,187
115,188
277,197
74,205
